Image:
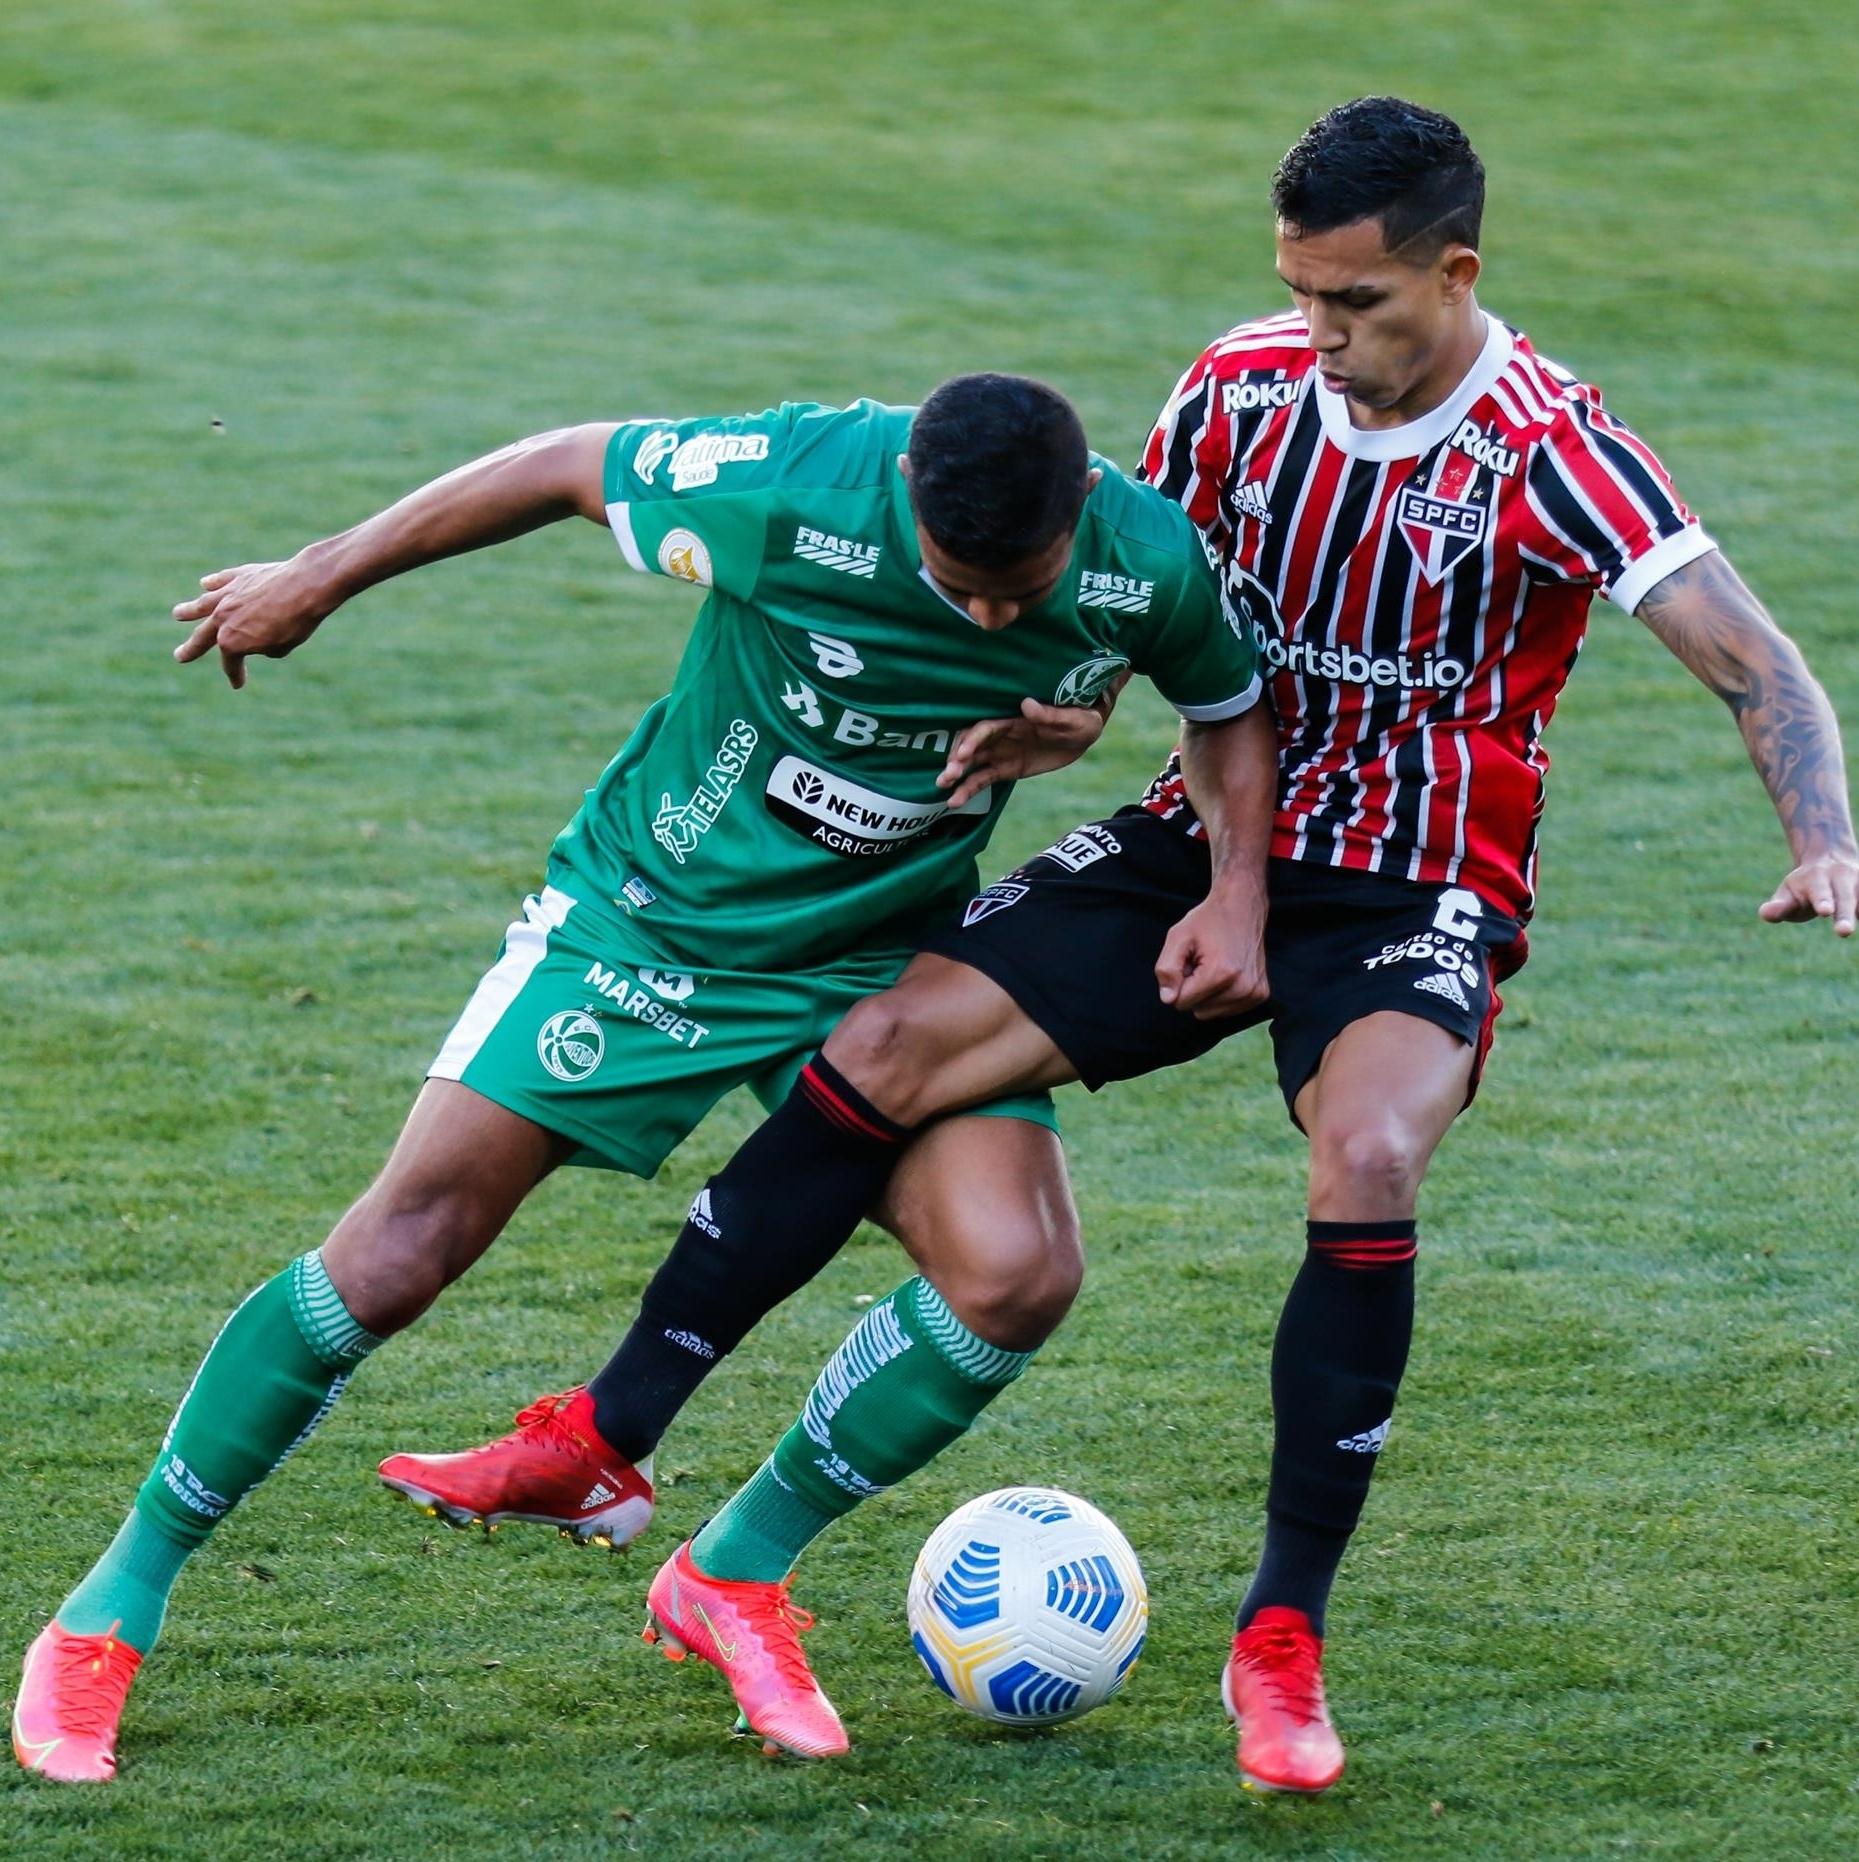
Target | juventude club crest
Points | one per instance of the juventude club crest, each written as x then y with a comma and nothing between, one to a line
571,1045
1085,684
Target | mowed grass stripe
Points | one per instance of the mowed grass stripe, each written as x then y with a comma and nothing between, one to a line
1131,131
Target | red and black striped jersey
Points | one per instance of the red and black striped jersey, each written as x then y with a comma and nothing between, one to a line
1418,593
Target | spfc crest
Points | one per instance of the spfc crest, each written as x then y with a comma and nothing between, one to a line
1441,532
995,899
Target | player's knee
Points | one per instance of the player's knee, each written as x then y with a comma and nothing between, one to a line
1377,1164
1017,1294
392,1256
885,1047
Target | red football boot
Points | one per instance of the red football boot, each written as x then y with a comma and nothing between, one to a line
749,1633
1273,1688
552,1469
71,1696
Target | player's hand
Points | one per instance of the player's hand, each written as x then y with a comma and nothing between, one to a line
1825,887
1213,961
267,609
1042,738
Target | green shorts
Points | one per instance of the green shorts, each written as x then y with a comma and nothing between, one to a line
586,1029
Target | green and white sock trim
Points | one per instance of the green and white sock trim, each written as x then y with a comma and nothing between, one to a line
973,1356
328,1327
909,1380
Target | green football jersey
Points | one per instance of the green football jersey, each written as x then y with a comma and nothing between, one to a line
779,806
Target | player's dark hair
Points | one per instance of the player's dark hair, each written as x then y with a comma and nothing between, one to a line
998,468
1387,159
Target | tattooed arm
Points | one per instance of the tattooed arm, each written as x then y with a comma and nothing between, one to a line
1706,615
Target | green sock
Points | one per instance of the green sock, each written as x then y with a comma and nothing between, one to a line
909,1380
270,1377
127,1589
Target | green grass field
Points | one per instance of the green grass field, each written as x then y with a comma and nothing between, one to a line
264,269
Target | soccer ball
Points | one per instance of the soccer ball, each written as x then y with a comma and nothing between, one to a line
1028,1607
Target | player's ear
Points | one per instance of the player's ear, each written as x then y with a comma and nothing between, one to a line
903,464
1459,269
1092,479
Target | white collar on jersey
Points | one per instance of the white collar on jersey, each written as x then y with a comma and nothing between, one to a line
929,582
1414,437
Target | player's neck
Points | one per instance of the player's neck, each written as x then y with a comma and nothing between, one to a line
1439,384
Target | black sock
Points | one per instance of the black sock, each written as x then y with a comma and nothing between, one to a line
760,1229
1336,1365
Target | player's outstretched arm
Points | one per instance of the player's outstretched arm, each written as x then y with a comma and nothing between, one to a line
1709,618
271,608
1213,963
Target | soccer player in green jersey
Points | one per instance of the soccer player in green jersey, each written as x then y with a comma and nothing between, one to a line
762,853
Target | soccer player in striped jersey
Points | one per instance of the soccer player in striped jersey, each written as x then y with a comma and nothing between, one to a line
1413,512
1433,546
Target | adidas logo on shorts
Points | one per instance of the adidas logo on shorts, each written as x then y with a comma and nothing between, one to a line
1440,984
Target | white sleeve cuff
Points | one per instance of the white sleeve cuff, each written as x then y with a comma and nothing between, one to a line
1637,580
1233,707
620,517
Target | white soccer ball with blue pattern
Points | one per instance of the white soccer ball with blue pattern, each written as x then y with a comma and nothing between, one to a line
1028,1607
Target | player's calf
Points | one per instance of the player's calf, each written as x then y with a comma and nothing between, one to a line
391,1264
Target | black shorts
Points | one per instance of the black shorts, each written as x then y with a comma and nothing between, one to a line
1073,937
